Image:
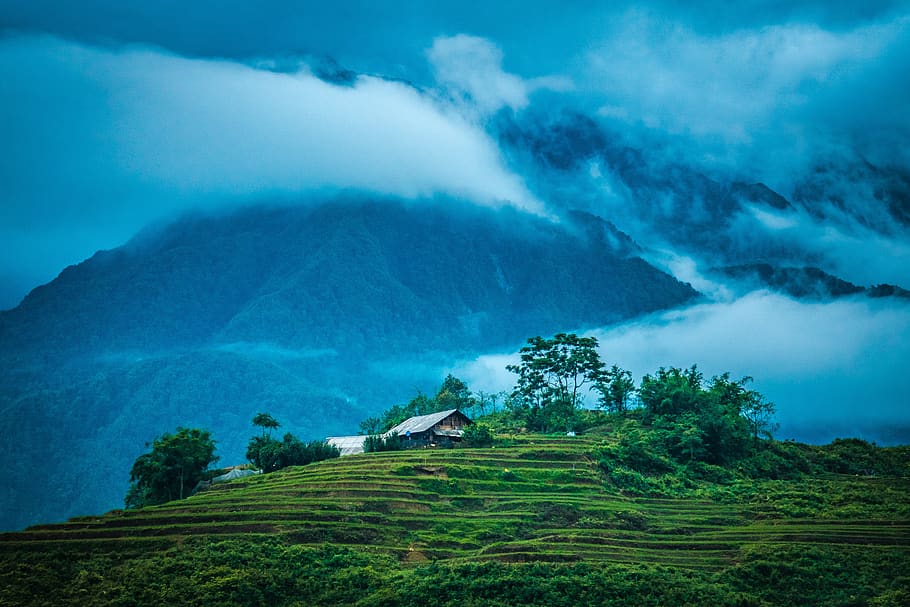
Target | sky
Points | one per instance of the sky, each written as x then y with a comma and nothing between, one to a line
116,115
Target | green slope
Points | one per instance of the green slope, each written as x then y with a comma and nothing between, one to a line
384,528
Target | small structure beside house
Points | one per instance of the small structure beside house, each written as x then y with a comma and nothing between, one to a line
436,429
348,445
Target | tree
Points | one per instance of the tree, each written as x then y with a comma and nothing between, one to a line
171,469
477,435
616,388
759,413
266,422
671,391
370,425
553,377
376,442
453,393
269,454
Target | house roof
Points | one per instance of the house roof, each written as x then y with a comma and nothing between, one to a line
232,474
348,445
420,423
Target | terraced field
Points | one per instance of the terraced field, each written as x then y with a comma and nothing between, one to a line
540,500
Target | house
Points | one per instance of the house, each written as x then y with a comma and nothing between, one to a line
442,428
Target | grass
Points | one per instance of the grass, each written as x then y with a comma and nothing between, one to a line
538,500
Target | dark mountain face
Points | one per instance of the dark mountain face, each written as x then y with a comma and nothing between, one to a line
320,314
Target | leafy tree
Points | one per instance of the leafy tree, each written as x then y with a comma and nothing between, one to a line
370,425
266,422
759,413
711,422
553,377
670,391
616,387
264,452
172,468
269,454
454,394
477,435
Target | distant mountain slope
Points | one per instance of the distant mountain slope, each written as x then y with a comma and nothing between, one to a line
803,282
318,313
665,200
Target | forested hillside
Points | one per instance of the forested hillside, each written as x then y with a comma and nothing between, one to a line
319,313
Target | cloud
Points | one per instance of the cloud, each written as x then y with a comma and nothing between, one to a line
101,142
831,368
470,68
794,87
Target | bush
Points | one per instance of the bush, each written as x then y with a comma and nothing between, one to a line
270,455
375,442
477,435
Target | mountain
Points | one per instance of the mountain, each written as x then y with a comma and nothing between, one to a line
665,200
804,282
320,313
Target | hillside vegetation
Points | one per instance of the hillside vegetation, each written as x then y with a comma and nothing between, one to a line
316,312
535,520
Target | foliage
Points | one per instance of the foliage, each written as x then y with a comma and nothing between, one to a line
718,422
553,377
616,388
454,393
266,422
370,425
477,435
376,442
171,469
269,454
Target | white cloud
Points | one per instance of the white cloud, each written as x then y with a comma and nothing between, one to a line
822,364
106,141
670,77
470,68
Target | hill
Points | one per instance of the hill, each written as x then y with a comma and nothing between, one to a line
536,520
320,312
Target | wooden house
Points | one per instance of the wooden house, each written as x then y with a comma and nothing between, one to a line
435,429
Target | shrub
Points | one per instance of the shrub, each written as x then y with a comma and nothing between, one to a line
477,435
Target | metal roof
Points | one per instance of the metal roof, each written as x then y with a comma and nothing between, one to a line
348,445
420,423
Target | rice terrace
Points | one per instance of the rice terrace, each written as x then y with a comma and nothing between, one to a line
534,520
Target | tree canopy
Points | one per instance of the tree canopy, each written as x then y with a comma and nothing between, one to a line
172,468
270,454
554,376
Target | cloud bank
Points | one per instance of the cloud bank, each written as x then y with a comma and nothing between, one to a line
796,88
832,369
98,143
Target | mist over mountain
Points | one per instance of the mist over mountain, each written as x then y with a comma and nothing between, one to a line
321,313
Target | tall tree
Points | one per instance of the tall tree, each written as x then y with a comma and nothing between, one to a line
172,468
266,422
555,374
453,393
616,388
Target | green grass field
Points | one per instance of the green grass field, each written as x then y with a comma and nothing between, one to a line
510,510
